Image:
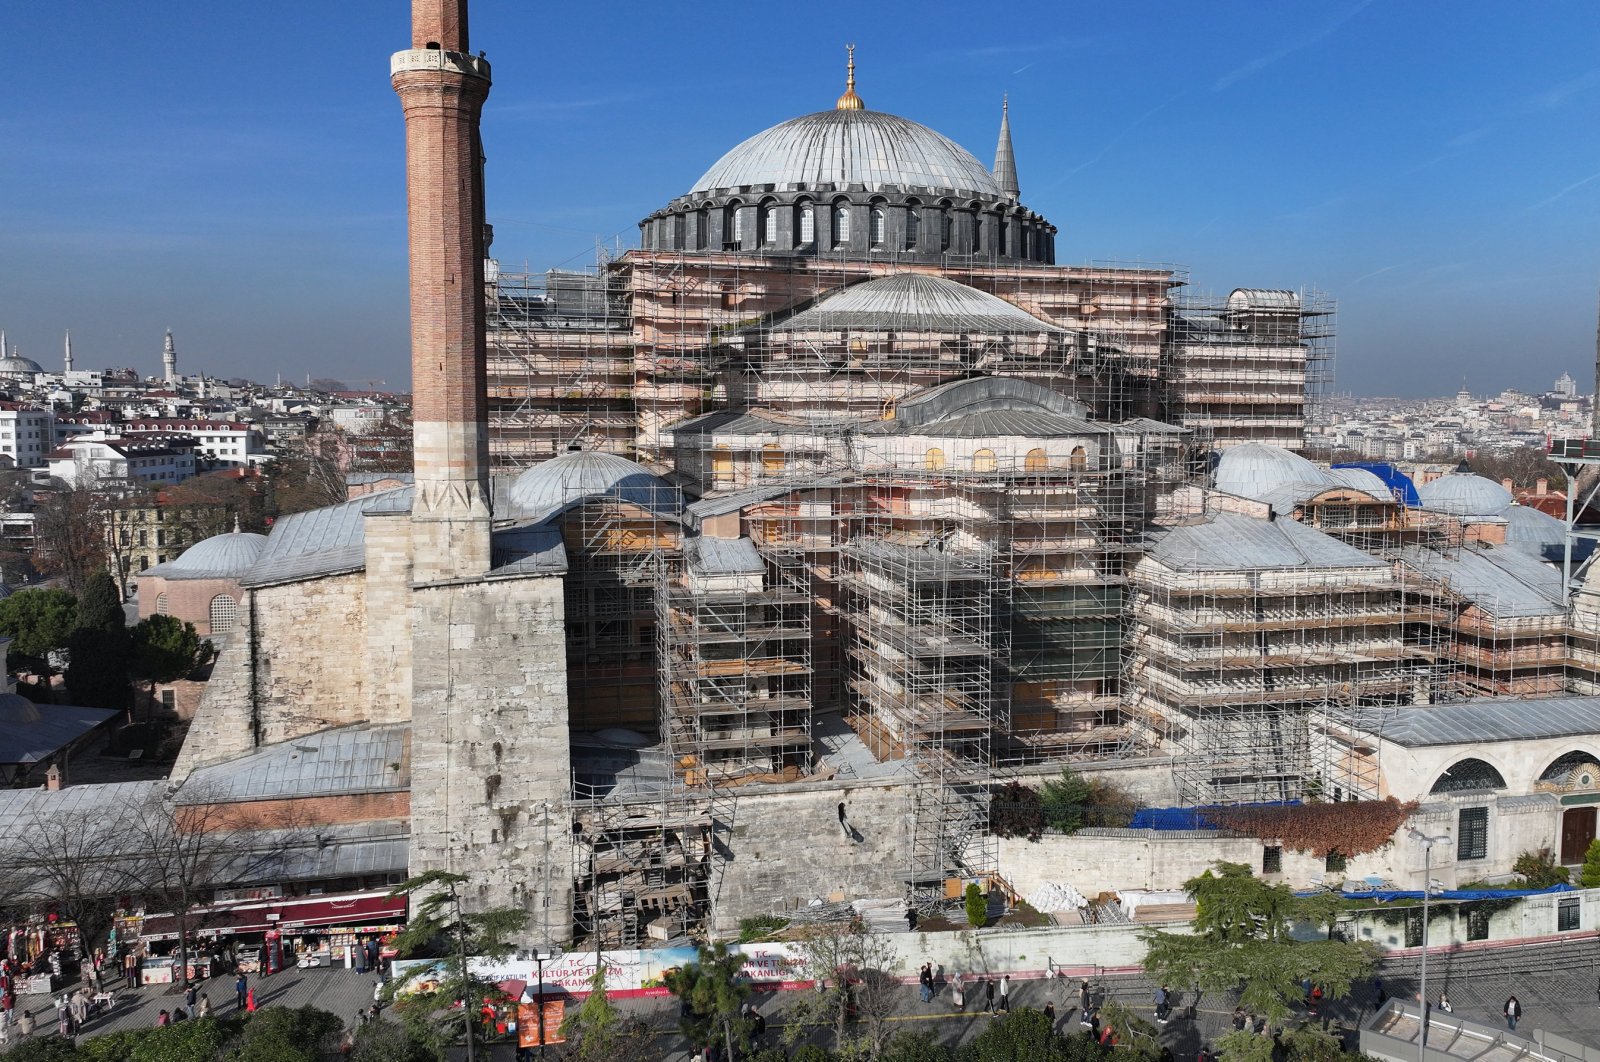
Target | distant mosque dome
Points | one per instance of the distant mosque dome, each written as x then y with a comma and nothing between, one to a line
17,710
562,482
845,147
1255,470
1464,494
225,556
19,366
1361,479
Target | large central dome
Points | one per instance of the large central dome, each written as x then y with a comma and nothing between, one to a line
845,147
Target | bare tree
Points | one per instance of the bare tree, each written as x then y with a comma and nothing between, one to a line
70,534
191,840
75,860
859,968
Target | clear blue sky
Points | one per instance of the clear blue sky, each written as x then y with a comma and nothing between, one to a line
235,170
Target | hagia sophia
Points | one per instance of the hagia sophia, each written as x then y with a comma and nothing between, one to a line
736,574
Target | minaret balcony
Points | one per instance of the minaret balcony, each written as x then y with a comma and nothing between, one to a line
438,59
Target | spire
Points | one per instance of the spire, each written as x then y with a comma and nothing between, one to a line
850,101
68,360
1005,161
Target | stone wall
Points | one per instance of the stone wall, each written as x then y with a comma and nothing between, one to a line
307,641
489,748
387,652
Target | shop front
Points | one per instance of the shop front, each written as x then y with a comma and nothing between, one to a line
263,936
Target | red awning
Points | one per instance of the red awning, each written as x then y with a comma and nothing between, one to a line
350,909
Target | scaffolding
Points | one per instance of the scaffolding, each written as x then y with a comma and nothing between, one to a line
1250,367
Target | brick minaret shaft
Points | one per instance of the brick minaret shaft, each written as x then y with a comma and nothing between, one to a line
442,88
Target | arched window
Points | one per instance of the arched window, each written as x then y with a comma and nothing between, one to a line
1574,769
224,610
161,604
772,459
1027,243
983,461
913,224
1466,775
1003,243
1079,459
769,224
702,228
947,223
933,460
806,225
876,232
841,223
977,230
680,231
1036,461
732,225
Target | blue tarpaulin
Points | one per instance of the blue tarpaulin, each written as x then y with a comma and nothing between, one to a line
1397,481
1385,895
1195,818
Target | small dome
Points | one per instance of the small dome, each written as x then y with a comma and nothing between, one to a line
16,710
1255,470
1464,494
845,147
19,365
561,482
226,556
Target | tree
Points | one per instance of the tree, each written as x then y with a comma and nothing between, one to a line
73,860
598,1032
166,649
388,1041
208,504
857,969
302,480
914,1047
40,624
439,928
710,995
1133,1032
69,533
1242,1045
187,841
1589,876
1026,1035
99,651
1242,940
977,905
1310,1042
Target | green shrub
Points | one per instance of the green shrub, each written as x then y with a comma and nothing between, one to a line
977,905
1539,871
760,927
1589,877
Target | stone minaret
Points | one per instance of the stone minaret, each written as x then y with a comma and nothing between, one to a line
442,88
1005,160
67,361
169,360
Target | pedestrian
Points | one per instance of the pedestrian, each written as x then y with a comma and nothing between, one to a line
958,992
1050,1012
925,979
25,1023
241,984
377,990
1239,1019
250,1002
163,1019
205,1007
1379,996
1005,993
1444,1004
1083,997
988,994
190,994
1513,1012
8,1003
361,956
179,1014
758,1027
1163,1003
1314,1005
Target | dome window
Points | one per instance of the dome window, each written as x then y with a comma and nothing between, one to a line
161,605
841,224
984,461
702,229
877,223
224,611
769,225
946,225
913,227
732,227
806,225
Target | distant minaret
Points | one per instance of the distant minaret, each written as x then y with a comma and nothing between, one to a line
1005,160
67,361
169,360
5,351
1594,426
442,87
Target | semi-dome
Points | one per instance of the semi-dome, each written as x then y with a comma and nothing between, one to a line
225,556
1361,479
1464,494
915,302
845,147
1538,533
17,710
1256,470
551,486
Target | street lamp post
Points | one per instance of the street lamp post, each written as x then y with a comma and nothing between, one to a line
540,957
1428,842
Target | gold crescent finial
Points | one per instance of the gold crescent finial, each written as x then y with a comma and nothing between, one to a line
850,101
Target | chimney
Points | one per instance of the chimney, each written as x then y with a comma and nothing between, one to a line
1541,486
1507,484
52,778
